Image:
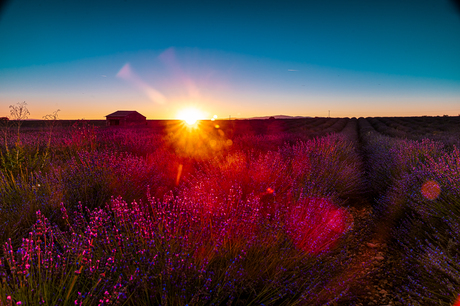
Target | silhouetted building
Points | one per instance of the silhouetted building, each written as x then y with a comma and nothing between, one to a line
123,118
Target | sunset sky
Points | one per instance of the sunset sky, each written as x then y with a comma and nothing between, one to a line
89,58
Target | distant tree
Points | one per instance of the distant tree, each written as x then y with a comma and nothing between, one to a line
271,118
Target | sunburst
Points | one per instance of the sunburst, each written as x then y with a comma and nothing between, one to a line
190,115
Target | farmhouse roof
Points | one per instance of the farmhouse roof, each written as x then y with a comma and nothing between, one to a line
122,113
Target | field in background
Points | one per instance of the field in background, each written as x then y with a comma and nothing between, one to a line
233,212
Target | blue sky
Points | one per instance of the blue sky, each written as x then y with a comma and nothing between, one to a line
238,58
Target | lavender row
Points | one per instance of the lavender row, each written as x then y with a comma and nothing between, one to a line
416,186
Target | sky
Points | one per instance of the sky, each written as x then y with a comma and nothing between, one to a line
237,59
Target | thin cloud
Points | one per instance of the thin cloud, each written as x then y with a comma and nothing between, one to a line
292,70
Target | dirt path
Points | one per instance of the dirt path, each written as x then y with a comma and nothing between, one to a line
372,276
374,268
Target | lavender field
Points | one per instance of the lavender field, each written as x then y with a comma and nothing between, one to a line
313,211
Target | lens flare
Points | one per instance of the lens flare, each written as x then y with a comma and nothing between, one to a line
127,73
431,190
457,302
316,224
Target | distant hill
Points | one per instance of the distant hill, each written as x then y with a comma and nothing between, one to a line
277,117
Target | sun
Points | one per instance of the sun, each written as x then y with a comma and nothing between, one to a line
190,115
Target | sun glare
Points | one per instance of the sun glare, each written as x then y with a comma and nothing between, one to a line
190,115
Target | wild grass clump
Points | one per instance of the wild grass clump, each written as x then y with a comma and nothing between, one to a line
21,196
89,178
22,153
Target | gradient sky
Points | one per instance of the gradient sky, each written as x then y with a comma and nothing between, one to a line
239,58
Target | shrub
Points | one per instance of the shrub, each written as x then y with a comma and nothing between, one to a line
21,196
